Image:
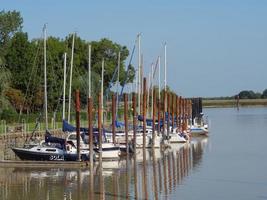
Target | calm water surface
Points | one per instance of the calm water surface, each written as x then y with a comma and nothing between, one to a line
230,164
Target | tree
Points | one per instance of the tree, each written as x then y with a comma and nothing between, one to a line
10,23
109,51
16,98
248,94
264,94
19,59
4,85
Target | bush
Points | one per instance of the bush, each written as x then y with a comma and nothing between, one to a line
9,115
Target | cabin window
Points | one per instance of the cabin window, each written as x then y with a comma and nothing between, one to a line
51,150
72,137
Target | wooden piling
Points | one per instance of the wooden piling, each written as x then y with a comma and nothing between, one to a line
160,177
125,98
173,108
91,184
184,115
159,110
237,102
134,120
77,94
145,191
173,169
100,127
144,113
180,112
164,112
169,116
190,111
90,129
155,182
153,118
177,111
101,182
113,118
169,172
135,174
165,175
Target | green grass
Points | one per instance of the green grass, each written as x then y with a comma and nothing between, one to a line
31,124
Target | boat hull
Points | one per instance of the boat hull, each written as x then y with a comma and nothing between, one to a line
109,152
176,138
57,155
201,131
26,154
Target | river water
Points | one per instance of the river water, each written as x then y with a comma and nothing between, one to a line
230,164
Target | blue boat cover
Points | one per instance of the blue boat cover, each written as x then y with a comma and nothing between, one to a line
52,139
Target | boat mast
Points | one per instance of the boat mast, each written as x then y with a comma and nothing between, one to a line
102,89
136,81
71,66
152,97
89,71
139,73
148,92
45,81
165,66
64,85
159,77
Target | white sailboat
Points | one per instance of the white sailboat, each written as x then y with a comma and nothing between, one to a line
53,148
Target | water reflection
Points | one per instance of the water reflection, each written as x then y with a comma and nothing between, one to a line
148,175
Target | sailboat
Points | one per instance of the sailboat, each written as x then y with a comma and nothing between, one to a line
199,128
52,148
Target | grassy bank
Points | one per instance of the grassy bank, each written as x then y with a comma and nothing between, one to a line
232,102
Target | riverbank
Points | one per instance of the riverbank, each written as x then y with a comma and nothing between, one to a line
233,103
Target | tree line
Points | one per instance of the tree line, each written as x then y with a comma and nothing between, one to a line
244,94
22,66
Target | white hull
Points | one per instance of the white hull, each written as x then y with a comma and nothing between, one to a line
109,152
176,138
195,131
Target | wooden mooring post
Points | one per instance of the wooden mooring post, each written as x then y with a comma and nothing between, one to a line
125,98
78,124
134,120
169,115
180,112
173,107
144,113
159,110
100,127
177,111
153,118
113,118
164,113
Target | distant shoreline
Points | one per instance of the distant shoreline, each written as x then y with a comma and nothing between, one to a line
208,103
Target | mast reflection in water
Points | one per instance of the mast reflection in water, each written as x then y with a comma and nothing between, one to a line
148,175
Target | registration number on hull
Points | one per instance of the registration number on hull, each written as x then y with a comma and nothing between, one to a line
56,157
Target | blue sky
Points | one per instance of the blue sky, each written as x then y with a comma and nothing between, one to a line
215,48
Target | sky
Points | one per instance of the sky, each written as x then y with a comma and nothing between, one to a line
214,48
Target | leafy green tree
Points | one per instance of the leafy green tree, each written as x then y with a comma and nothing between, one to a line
16,98
248,94
24,66
109,51
10,23
264,94
19,60
4,85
